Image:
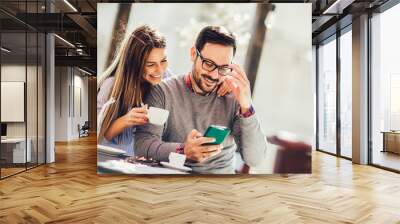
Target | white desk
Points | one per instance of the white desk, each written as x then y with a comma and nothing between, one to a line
111,164
19,149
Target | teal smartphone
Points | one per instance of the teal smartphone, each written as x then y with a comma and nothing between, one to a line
217,132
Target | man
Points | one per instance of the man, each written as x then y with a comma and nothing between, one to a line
194,105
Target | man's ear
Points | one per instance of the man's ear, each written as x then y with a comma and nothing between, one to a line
192,53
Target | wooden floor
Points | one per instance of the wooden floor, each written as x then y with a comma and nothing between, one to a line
70,191
10,171
5,172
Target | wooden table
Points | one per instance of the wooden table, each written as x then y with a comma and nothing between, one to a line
391,141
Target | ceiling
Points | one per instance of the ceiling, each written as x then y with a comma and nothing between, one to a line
76,22
332,15
76,25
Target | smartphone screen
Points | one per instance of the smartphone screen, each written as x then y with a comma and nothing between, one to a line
217,132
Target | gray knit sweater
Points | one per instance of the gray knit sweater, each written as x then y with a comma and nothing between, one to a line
190,111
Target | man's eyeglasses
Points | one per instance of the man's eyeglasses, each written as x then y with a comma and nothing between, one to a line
210,66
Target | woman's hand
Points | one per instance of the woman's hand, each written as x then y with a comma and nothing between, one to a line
136,116
223,88
240,86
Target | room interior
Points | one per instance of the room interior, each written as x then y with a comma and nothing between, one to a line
48,90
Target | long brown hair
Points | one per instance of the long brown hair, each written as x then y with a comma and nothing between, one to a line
128,68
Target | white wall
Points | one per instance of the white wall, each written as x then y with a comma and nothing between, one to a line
61,103
33,127
79,117
16,72
67,114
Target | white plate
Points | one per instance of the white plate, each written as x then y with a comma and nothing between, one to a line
110,150
181,168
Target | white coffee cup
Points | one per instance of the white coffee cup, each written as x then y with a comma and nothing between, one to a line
176,159
157,116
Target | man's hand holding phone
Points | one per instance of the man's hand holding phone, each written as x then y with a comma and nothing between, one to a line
196,150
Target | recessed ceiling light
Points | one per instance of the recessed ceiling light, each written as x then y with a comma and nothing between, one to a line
70,5
338,6
64,40
5,50
84,71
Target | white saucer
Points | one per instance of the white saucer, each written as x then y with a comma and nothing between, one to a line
110,150
181,168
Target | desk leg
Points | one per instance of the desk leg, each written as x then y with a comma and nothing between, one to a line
384,143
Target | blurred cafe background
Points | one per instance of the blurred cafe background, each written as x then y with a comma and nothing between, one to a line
274,48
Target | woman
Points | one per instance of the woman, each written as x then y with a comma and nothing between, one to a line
140,63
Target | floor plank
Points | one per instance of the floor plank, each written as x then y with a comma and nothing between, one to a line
70,191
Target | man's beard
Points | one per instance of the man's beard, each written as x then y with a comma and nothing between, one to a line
198,80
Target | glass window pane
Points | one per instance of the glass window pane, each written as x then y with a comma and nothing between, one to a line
395,101
386,89
13,86
23,83
327,97
346,94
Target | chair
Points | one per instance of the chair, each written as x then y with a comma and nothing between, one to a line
84,130
292,156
